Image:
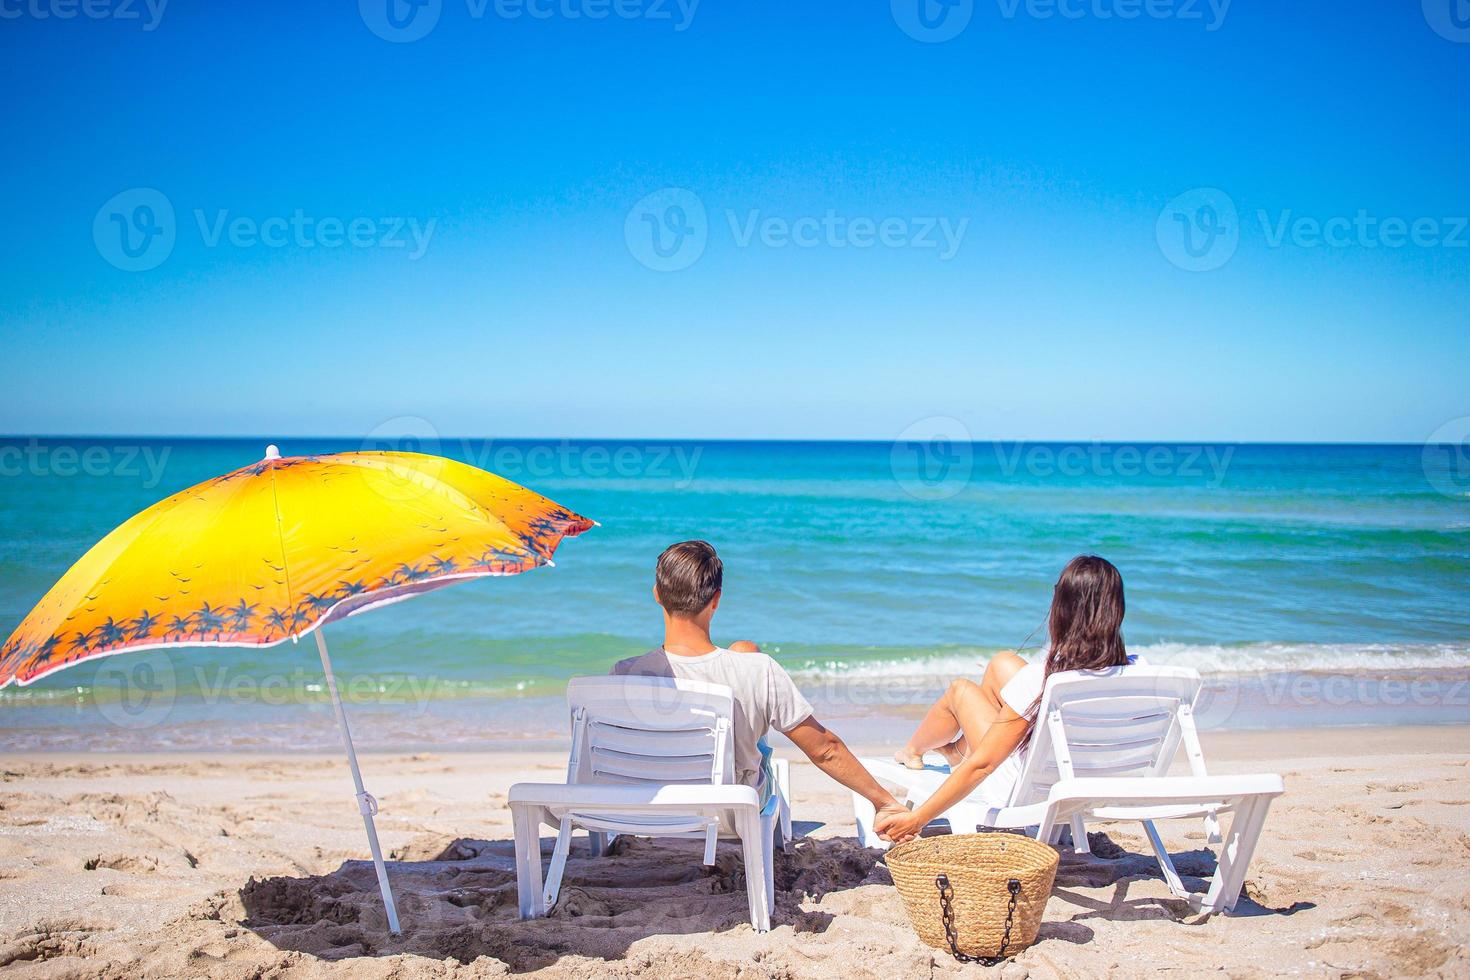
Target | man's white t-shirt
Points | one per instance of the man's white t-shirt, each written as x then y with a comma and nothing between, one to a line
765,695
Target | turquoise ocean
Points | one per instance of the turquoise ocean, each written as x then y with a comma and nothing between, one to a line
1311,584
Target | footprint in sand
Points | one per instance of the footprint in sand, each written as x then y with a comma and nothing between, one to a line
136,863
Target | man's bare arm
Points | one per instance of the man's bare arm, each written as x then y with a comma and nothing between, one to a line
831,755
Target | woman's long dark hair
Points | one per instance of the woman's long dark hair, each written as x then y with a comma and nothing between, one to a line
1086,622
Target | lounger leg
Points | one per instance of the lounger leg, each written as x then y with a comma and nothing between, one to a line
749,825
865,814
769,825
1166,863
783,785
1235,855
1079,836
528,862
597,843
558,862
1049,831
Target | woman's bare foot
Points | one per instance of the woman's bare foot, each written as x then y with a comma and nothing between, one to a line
954,752
908,758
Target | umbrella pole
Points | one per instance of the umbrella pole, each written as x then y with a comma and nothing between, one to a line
366,805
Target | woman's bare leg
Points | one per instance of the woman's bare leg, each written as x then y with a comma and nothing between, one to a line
962,714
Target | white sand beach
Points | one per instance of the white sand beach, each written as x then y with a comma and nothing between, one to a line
231,865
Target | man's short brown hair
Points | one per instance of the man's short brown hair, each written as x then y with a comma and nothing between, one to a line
688,577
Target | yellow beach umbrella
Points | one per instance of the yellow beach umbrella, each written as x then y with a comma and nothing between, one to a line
274,551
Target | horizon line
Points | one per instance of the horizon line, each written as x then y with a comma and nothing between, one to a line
796,440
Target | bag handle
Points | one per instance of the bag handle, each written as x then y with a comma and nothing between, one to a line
946,894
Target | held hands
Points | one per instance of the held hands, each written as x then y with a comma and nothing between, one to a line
897,824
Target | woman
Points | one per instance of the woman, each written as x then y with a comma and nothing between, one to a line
983,729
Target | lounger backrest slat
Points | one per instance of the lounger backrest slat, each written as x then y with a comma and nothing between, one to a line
652,768
1125,721
642,730
677,741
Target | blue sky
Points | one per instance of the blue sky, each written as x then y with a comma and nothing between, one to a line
520,147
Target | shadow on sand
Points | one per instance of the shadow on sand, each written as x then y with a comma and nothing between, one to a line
1112,865
459,900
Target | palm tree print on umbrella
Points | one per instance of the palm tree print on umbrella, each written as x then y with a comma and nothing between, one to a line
352,588
277,620
140,627
407,572
209,619
240,615
441,566
501,561
47,647
110,634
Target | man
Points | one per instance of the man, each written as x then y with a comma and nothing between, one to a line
687,583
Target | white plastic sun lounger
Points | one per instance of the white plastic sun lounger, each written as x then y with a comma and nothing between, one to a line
653,757
1102,747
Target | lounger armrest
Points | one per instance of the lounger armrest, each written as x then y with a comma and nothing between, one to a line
632,797
1135,791
928,779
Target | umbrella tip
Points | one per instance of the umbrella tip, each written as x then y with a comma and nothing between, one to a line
271,452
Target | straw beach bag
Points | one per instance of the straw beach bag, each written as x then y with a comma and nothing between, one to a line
979,896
